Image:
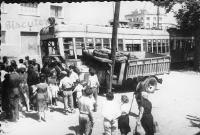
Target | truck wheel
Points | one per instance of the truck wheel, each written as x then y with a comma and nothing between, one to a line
150,84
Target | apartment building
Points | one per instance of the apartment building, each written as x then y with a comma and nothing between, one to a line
21,25
146,20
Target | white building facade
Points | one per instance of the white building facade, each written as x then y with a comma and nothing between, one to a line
146,20
20,27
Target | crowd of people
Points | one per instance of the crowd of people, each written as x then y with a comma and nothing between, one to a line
28,87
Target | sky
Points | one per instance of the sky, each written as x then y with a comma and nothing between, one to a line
101,12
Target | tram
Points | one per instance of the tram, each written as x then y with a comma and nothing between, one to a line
69,40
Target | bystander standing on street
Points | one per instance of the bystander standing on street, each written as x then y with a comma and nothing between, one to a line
110,112
86,120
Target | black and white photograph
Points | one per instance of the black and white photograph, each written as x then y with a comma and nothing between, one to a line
100,68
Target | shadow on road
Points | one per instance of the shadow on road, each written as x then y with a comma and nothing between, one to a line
195,122
60,110
32,115
75,129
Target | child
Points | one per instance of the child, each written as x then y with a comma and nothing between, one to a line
123,121
53,88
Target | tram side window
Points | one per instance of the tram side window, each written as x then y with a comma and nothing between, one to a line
172,46
106,43
154,46
159,46
167,45
163,46
145,45
177,44
79,46
120,44
68,48
149,46
89,43
98,43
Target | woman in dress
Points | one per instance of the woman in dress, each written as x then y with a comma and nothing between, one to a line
42,98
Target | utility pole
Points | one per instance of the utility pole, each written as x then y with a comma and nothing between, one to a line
158,13
114,42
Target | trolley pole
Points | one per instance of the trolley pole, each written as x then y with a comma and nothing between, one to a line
114,42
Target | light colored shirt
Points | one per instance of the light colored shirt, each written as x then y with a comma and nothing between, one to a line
125,108
93,81
74,76
111,110
66,82
85,105
20,65
79,89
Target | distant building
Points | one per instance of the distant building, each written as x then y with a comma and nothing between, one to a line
144,20
21,24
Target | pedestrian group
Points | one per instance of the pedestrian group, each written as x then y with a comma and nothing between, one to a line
28,87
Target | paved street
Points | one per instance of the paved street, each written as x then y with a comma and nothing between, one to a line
179,95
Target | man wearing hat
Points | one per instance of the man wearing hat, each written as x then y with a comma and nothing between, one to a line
66,86
86,120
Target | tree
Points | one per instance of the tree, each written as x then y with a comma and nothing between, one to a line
188,18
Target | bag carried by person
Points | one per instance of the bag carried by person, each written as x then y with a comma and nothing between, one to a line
139,129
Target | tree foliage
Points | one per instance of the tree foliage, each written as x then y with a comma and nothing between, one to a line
188,17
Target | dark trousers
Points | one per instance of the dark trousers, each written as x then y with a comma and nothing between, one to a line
147,124
85,126
54,101
14,108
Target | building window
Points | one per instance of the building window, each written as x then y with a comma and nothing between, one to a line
148,18
56,11
29,8
160,18
149,44
154,18
3,7
3,35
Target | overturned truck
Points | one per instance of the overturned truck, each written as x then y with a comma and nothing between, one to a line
130,68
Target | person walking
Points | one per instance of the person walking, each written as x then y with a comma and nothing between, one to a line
145,117
93,83
123,120
24,89
41,98
66,86
110,112
14,94
86,120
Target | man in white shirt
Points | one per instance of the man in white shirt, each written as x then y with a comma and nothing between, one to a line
110,112
93,83
86,120
66,86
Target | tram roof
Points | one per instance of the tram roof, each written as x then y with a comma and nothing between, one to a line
51,32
